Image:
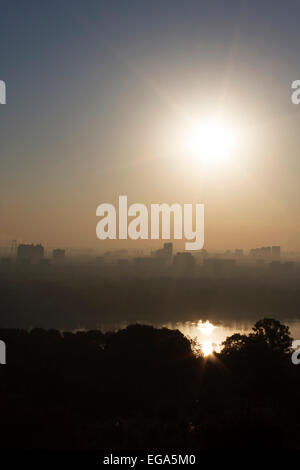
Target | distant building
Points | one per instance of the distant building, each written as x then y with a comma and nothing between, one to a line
239,253
30,253
219,267
266,252
168,248
165,253
276,252
263,252
58,255
282,268
120,253
147,265
6,261
123,262
184,264
146,262
45,262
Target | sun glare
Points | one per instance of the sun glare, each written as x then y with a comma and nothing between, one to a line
211,142
207,348
206,328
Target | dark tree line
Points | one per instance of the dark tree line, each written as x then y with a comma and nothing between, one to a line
143,387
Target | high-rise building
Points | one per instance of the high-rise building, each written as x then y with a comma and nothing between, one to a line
30,253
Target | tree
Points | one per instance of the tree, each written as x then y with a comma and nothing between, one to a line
268,335
235,342
274,334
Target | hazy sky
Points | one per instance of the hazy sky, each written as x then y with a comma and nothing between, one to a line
100,95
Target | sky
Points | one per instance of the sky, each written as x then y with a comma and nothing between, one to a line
101,96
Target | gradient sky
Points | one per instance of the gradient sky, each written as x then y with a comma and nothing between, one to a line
99,95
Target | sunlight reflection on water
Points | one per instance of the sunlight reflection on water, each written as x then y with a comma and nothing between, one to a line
211,335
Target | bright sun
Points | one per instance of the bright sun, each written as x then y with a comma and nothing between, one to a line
211,142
